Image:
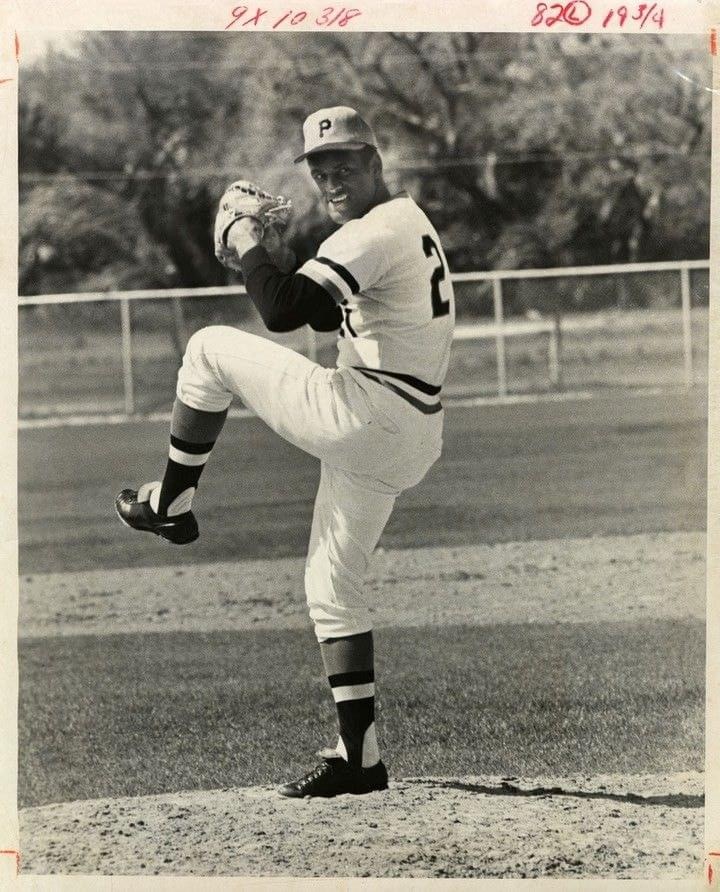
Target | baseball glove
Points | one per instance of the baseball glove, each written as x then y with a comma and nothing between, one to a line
245,199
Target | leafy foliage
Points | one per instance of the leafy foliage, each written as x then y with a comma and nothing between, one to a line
525,150
70,227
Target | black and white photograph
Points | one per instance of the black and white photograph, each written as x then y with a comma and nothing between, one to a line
362,449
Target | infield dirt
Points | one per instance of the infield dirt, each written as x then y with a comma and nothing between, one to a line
573,507
603,578
619,826
606,826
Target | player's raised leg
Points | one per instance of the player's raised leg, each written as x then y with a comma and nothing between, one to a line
163,507
294,396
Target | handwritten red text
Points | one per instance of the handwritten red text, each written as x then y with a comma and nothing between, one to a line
327,17
578,12
642,13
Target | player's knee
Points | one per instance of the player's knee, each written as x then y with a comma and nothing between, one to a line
331,622
202,350
200,382
332,616
205,340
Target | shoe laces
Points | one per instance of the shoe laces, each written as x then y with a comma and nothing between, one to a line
319,770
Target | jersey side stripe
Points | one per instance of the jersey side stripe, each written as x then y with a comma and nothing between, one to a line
344,274
346,321
425,408
417,383
319,276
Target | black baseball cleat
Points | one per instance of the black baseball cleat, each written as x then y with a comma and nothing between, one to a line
133,509
333,777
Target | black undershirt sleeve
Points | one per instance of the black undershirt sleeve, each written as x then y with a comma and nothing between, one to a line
286,302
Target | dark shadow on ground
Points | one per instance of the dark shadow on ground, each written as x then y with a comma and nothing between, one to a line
671,800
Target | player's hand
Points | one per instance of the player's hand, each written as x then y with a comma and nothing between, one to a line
246,214
282,256
244,234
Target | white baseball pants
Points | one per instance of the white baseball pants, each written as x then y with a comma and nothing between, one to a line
370,442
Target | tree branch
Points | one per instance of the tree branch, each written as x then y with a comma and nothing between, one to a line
428,68
432,73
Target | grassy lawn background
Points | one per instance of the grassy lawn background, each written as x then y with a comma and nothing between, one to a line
127,715
139,714
613,465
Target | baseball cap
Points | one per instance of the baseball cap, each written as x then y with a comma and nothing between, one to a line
340,127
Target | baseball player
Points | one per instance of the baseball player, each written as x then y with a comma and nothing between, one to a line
375,421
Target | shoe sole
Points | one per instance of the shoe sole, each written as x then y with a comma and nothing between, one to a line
154,532
332,795
292,795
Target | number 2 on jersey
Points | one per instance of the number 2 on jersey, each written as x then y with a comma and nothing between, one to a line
346,316
440,307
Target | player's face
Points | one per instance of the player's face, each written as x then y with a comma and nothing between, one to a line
347,181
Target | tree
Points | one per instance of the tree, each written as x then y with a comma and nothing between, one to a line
74,226
144,109
524,149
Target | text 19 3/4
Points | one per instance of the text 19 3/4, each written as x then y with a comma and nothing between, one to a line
643,13
578,12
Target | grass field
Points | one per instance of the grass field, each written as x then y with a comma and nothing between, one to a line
615,464
133,715
110,713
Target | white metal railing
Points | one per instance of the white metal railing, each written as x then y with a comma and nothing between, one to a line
498,331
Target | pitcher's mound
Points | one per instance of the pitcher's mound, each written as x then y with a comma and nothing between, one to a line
644,826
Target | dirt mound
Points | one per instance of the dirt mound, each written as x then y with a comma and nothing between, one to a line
605,578
647,826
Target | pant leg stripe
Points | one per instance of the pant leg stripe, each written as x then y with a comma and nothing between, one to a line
425,408
353,692
184,458
192,448
360,676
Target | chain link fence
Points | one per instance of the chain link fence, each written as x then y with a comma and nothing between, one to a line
518,332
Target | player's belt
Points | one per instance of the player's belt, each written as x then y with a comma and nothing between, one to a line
417,383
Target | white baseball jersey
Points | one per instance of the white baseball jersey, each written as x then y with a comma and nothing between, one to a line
388,272
389,275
